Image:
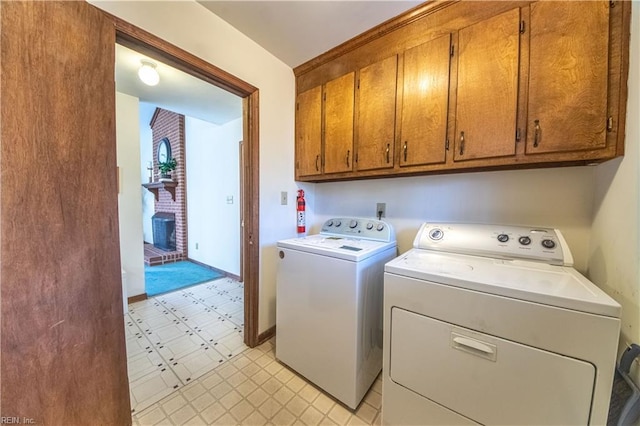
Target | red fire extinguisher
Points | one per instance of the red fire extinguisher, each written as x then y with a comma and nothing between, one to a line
301,212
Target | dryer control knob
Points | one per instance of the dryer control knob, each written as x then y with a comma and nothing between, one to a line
330,223
338,223
436,234
549,244
503,238
380,226
353,224
369,226
525,241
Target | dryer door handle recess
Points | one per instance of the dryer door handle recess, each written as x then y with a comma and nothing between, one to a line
474,347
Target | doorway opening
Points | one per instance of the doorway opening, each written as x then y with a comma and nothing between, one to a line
149,45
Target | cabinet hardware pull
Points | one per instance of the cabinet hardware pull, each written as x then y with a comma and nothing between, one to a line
610,124
388,159
317,158
348,153
518,135
405,151
461,143
536,133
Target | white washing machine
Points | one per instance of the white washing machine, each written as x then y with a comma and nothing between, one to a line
329,305
491,325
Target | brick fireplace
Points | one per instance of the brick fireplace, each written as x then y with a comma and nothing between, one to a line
167,124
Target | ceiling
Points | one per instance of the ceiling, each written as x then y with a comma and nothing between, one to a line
297,31
177,91
293,31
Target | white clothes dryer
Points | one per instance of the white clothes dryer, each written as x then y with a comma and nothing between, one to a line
329,305
492,325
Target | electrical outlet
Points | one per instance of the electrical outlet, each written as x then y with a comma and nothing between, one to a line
197,245
283,198
381,210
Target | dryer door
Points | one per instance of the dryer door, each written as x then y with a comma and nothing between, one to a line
487,379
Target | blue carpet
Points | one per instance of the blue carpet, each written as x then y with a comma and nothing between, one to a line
172,276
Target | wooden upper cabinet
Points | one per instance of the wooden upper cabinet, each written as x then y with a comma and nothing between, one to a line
338,124
425,102
569,46
487,95
464,85
377,114
309,132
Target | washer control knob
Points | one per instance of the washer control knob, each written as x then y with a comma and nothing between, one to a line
525,241
503,238
380,227
330,223
353,224
369,226
549,244
338,223
436,234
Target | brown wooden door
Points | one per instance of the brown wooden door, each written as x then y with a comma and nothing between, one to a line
425,102
338,124
309,132
568,74
487,95
377,114
63,360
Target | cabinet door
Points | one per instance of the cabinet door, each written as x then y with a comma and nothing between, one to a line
487,96
425,102
377,114
309,132
568,76
338,124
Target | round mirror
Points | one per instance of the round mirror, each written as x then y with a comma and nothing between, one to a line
164,150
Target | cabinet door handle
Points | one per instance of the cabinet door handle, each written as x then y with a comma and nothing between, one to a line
405,151
536,133
348,153
388,150
461,143
317,158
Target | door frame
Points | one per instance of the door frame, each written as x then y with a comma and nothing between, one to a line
135,38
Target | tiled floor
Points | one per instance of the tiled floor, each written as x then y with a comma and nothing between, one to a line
191,330
175,338
255,389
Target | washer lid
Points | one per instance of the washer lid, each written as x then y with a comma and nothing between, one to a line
350,249
552,285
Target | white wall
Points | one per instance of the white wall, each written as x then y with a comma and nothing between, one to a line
614,253
129,209
146,156
560,198
193,28
213,175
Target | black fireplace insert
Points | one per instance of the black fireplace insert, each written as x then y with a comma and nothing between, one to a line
164,231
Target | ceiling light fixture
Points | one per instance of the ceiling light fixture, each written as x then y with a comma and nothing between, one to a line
148,73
